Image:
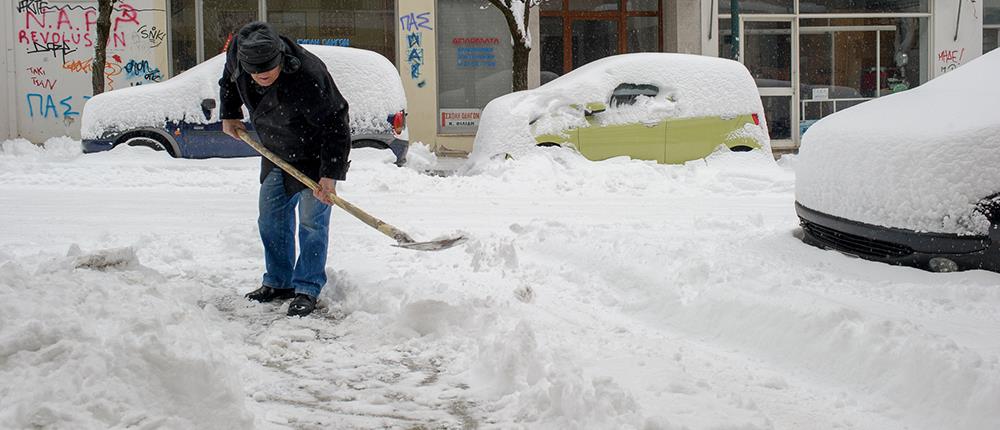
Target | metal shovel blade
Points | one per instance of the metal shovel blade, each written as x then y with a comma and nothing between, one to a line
434,245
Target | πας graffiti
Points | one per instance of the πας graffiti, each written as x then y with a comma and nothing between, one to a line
415,22
415,56
46,105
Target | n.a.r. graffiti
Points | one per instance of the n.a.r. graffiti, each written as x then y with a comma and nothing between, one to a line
56,27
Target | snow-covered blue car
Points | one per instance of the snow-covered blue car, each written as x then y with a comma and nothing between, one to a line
181,115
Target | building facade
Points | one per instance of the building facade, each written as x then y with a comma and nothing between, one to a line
809,58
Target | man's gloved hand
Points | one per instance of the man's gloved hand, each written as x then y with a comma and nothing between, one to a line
230,126
327,186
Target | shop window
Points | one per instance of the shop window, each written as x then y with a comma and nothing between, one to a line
365,24
760,6
991,25
551,32
586,30
593,39
223,19
643,33
877,6
644,5
183,34
594,5
475,61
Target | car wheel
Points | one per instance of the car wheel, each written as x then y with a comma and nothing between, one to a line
741,148
150,140
369,143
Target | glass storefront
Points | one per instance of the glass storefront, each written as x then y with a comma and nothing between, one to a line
807,66
991,25
183,35
576,32
223,18
474,61
367,24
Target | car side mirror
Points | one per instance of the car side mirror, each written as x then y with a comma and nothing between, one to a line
207,105
596,107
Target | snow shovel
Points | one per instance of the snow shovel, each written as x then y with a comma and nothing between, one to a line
403,240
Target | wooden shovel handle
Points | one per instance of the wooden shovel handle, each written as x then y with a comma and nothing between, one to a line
386,229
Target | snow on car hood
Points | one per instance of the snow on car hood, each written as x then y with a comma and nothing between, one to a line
919,160
689,86
368,81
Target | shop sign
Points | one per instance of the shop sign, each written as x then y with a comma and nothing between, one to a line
324,42
821,94
459,120
475,52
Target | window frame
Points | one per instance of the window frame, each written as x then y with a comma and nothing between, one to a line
620,16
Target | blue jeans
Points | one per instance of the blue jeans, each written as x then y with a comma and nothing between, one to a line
276,222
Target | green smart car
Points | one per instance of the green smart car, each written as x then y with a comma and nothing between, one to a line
668,108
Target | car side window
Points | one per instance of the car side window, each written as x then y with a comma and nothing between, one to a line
626,94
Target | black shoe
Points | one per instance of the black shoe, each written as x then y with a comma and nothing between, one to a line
302,305
266,294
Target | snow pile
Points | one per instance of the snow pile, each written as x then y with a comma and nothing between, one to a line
64,148
537,387
367,80
689,86
919,160
88,349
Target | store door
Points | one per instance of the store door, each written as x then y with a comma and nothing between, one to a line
769,50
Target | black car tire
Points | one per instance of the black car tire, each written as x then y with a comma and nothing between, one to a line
149,140
741,148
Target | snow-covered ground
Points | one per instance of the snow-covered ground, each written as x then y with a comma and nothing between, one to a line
609,295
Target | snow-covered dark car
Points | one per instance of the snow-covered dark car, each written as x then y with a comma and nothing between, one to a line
911,178
180,115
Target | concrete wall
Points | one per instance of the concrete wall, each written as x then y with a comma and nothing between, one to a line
683,26
53,48
417,49
7,124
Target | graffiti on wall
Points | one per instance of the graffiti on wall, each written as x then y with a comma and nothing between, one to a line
412,25
55,54
950,59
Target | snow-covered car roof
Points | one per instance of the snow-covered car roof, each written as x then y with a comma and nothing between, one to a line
689,86
919,160
368,81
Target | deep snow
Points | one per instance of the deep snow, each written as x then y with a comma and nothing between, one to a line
614,294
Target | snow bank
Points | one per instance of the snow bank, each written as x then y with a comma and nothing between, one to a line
56,148
76,353
919,160
368,81
689,86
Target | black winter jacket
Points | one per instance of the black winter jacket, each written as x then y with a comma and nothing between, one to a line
301,117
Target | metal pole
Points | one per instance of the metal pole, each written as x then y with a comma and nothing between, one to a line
734,10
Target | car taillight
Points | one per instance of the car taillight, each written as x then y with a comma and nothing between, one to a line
398,122
756,119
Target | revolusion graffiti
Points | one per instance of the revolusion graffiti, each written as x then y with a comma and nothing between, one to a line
54,52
